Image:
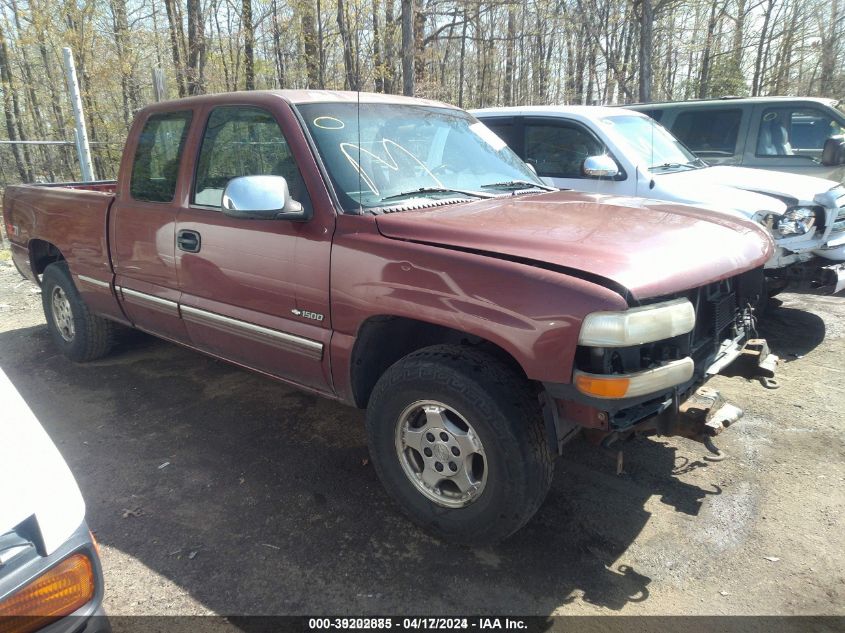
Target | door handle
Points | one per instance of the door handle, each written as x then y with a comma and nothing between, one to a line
188,241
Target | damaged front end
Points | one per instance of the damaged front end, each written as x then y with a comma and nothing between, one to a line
810,246
641,371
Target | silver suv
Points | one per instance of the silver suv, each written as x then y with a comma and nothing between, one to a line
802,135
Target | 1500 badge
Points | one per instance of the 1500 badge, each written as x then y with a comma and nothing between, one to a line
315,316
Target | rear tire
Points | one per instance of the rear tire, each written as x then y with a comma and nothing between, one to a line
457,439
80,335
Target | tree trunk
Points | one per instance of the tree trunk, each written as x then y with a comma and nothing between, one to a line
646,49
757,81
462,64
509,45
309,44
739,31
350,79
704,79
378,67
389,40
277,47
196,49
128,83
321,50
419,44
174,26
249,44
408,48
829,50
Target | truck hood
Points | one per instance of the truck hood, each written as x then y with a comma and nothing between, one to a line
34,479
745,190
651,248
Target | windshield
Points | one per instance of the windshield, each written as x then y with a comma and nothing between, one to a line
388,154
652,144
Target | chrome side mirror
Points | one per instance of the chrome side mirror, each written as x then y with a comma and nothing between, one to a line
261,198
601,166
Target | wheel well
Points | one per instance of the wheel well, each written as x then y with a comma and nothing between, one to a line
42,254
383,340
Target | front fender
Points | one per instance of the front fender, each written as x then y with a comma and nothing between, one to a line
533,313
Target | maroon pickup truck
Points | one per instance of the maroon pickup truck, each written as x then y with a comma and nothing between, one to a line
394,254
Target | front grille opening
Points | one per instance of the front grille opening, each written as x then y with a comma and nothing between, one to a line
721,312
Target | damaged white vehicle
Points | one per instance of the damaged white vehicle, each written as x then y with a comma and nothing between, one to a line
622,152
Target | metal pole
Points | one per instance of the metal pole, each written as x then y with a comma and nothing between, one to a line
81,131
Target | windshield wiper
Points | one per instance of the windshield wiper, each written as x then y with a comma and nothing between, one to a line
688,165
425,190
515,185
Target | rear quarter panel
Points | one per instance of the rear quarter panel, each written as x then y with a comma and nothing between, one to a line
75,222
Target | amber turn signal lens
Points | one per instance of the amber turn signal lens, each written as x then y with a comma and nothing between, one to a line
55,593
602,387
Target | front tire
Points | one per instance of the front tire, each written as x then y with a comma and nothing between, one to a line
457,439
80,335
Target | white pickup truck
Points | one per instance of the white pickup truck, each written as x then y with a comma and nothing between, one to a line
625,153
51,579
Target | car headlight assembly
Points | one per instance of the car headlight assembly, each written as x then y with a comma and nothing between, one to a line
795,222
636,326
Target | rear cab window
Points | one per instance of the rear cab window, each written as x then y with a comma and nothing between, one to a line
710,132
157,156
243,141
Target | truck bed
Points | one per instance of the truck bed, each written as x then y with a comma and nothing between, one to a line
72,216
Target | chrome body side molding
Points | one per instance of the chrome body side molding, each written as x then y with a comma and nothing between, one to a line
93,282
281,340
149,301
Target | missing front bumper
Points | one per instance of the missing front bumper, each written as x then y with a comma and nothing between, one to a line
699,414
813,277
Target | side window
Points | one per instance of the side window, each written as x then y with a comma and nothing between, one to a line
710,132
795,131
504,129
558,150
157,156
243,141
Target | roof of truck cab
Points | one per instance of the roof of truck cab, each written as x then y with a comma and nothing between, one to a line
298,97
732,100
576,111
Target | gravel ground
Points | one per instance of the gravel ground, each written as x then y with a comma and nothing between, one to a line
214,490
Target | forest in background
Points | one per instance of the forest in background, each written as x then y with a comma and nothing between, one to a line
467,52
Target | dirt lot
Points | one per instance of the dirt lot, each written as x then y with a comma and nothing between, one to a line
213,490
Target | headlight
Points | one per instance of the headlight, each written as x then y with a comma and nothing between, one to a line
796,222
638,325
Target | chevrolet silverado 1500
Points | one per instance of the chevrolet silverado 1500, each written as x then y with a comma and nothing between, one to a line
394,254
